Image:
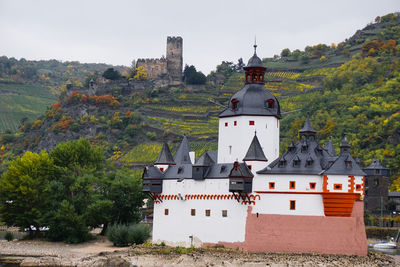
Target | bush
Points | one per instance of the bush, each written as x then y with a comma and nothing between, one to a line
151,135
125,235
9,236
380,232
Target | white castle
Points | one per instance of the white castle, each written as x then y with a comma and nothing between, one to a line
247,196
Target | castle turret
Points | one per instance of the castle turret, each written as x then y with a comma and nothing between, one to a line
253,108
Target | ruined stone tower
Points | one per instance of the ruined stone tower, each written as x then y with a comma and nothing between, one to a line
166,70
174,58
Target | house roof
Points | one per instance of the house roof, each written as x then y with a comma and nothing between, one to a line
255,151
165,157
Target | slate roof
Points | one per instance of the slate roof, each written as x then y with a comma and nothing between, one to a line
254,61
252,100
307,128
255,152
329,147
240,170
308,157
204,160
165,157
152,172
376,164
345,164
182,154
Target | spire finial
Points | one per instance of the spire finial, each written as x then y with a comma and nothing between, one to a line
255,44
255,132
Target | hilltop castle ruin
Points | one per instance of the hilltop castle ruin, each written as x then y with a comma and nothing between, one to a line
166,70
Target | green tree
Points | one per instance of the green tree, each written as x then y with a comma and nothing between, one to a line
192,76
23,195
285,52
111,74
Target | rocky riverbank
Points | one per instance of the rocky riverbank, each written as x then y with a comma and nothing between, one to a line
101,253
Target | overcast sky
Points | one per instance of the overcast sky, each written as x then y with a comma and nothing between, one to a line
118,31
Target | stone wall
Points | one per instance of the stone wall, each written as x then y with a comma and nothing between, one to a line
155,67
309,234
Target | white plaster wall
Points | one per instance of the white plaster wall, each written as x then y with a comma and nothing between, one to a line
306,204
261,182
359,180
176,227
240,137
279,203
338,179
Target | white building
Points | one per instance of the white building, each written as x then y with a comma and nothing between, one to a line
307,200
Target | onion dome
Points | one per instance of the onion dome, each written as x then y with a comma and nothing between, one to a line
253,99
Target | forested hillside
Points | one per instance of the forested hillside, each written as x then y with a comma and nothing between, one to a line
28,87
352,87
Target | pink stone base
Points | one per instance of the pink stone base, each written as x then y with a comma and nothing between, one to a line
307,234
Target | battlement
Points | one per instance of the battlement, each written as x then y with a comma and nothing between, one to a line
173,39
151,60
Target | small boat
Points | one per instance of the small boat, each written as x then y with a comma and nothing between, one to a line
392,244
385,245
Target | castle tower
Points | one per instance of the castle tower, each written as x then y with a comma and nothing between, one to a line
377,186
175,58
251,109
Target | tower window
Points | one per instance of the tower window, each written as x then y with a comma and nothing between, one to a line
235,123
377,171
358,187
193,212
292,204
251,122
226,124
337,186
312,185
292,185
230,150
224,213
234,102
166,212
271,185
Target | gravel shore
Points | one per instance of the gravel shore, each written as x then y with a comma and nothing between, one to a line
102,253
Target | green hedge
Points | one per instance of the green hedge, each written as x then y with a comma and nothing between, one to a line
380,232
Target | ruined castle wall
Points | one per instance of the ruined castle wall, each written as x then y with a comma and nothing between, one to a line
155,67
175,58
